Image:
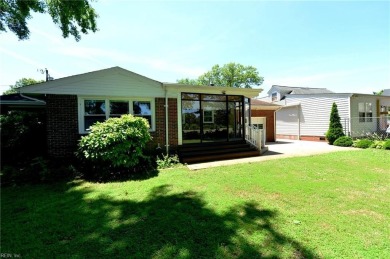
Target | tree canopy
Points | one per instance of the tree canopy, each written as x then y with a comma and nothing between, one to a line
378,93
20,83
73,17
231,75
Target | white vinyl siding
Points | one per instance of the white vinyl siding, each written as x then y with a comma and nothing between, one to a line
313,116
315,113
287,121
109,82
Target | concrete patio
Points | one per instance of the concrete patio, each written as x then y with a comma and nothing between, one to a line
279,149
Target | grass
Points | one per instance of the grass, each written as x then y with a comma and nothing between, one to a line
335,205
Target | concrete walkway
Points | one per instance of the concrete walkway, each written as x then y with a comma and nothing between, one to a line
279,149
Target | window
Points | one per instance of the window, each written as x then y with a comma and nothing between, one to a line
143,109
118,108
208,117
365,112
274,96
92,110
258,126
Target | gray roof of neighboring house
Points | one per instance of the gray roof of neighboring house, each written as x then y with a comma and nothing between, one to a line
299,90
21,100
262,103
257,104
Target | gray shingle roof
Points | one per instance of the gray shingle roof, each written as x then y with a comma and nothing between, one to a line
300,90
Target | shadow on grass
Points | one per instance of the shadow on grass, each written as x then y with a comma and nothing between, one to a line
57,222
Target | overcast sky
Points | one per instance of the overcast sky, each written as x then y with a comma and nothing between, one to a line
342,46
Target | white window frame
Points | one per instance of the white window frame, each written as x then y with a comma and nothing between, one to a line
212,116
276,99
365,109
81,108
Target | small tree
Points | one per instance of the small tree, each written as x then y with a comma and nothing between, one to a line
335,128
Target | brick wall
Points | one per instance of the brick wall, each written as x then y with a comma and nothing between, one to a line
62,125
270,123
292,137
159,134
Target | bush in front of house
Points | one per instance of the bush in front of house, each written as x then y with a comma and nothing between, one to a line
23,136
386,144
343,141
362,143
335,130
115,145
378,144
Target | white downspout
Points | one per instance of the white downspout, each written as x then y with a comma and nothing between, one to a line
299,122
166,122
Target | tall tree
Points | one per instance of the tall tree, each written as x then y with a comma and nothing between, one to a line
73,17
335,128
20,83
231,75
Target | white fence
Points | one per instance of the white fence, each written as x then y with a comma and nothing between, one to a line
254,136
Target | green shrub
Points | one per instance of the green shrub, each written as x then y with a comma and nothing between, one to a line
37,170
23,136
335,128
343,142
333,134
376,136
117,142
167,161
363,143
377,144
386,144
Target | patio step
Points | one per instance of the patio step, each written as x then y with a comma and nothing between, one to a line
208,152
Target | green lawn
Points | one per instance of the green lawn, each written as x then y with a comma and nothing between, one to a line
335,205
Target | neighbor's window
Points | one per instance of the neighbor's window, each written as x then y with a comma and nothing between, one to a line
365,112
208,117
94,110
274,97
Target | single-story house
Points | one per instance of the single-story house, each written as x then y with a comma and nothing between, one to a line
178,114
305,112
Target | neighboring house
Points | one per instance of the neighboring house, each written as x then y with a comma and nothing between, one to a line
305,112
20,102
178,114
263,115
386,92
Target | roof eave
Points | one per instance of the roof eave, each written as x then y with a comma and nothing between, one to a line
247,92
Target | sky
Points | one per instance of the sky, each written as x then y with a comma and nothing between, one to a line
343,46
